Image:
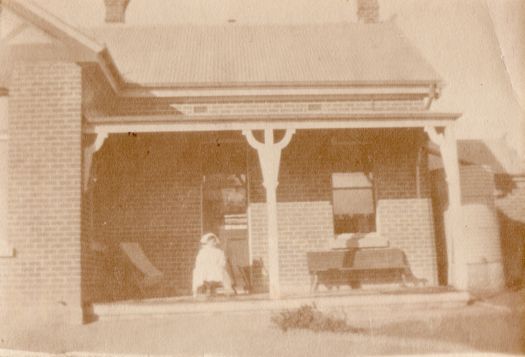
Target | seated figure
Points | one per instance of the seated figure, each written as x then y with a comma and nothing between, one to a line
210,266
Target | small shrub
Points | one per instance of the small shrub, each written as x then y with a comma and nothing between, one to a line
308,317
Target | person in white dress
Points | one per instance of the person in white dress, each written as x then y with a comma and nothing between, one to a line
210,265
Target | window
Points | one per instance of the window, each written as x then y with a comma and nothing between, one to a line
353,196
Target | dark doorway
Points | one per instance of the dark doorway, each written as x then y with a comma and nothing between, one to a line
224,204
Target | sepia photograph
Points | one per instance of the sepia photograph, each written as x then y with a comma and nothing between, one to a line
262,178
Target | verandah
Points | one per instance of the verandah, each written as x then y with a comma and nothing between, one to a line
194,228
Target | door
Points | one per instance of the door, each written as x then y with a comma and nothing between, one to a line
224,205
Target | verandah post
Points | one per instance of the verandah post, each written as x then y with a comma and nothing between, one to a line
454,226
269,153
451,163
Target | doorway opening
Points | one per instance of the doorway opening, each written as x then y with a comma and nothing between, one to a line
225,206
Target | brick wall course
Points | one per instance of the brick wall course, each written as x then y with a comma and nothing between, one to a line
171,106
148,191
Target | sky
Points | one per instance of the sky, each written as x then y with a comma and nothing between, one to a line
477,46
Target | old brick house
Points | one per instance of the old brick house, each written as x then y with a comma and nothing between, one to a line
297,138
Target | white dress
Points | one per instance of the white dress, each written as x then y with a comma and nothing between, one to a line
210,266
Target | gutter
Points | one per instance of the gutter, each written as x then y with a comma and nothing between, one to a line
272,91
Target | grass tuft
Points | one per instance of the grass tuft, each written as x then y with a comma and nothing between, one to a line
308,317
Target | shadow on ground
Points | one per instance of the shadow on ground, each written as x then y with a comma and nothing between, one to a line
496,331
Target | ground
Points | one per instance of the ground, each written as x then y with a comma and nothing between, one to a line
489,324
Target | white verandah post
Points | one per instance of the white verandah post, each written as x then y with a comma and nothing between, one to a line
454,226
269,153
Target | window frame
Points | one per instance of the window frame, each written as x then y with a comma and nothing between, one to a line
366,151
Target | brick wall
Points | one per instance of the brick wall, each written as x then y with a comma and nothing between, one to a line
408,224
148,191
97,99
325,107
156,106
404,202
304,209
44,188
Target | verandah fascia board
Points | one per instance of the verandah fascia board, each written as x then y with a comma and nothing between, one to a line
167,123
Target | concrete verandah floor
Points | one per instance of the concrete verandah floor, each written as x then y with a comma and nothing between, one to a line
386,298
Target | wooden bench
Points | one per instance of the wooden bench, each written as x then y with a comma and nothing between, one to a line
363,259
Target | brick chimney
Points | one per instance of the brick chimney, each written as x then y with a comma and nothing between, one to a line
116,10
368,11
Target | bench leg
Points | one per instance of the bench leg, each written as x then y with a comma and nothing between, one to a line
314,279
408,276
403,280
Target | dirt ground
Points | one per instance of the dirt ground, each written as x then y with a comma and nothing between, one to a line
489,324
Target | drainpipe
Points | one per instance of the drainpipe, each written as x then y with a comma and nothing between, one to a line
418,171
435,92
6,250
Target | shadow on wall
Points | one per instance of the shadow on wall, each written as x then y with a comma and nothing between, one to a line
439,206
512,248
509,202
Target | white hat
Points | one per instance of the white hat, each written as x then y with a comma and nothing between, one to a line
209,237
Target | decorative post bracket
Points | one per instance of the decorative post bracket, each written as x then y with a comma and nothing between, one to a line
89,151
270,158
455,237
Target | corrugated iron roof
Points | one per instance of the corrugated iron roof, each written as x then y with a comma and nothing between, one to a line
233,54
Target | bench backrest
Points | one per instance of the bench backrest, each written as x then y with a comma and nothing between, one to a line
358,259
